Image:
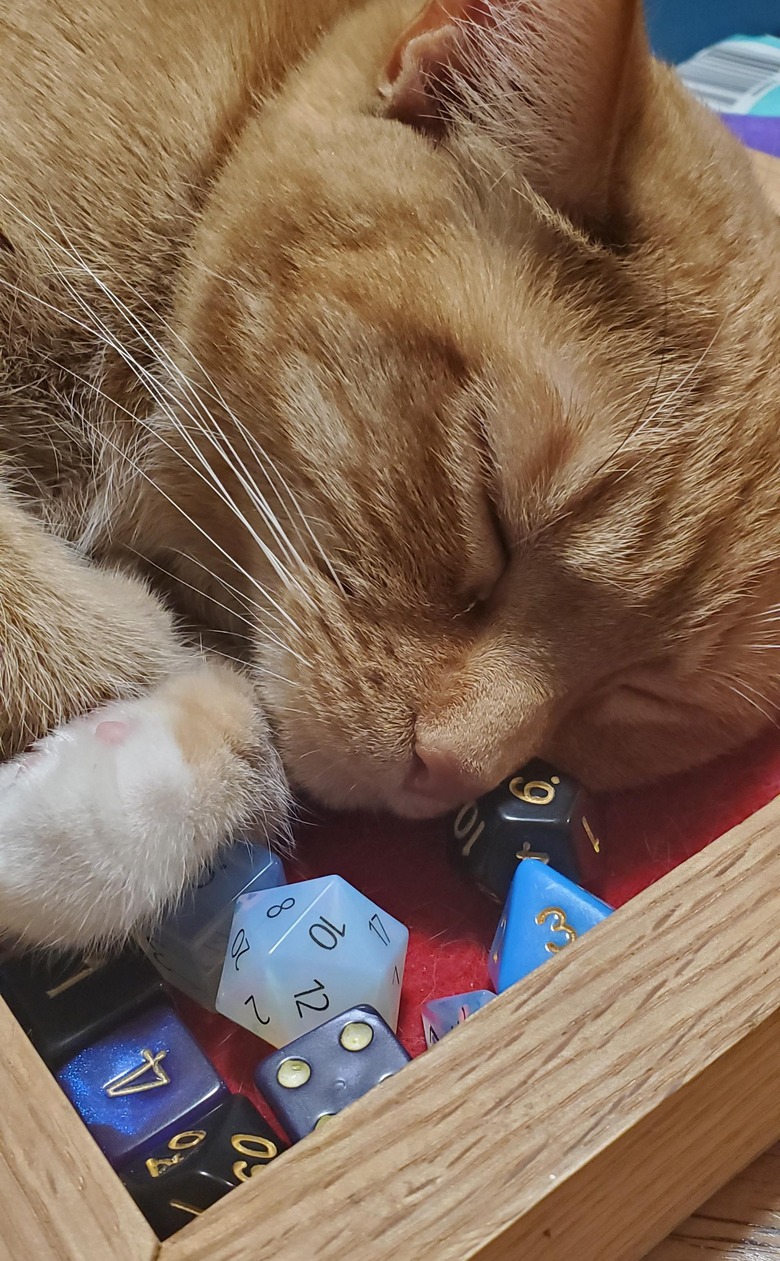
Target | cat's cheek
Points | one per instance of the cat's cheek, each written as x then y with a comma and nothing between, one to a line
609,754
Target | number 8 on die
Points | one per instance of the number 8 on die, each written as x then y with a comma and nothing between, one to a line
301,954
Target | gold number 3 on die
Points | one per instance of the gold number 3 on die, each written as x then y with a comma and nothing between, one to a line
558,924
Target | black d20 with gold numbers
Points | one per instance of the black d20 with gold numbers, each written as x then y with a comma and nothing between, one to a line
539,813
197,1167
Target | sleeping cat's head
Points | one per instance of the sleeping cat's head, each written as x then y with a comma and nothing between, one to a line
499,301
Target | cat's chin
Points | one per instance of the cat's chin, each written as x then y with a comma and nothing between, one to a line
404,805
417,809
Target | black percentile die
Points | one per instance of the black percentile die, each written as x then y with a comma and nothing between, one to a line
311,1079
539,813
65,1002
196,1168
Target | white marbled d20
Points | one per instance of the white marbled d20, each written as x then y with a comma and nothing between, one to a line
188,947
303,954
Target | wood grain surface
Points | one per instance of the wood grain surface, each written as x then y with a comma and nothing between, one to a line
739,1223
59,1198
583,1113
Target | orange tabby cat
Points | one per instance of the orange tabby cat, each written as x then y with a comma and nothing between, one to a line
428,357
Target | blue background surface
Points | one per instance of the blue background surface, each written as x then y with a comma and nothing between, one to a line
680,28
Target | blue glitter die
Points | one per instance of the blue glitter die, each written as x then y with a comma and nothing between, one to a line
141,1085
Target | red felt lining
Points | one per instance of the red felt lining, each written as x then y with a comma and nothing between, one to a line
403,868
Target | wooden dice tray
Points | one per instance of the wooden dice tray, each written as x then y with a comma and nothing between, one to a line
642,1072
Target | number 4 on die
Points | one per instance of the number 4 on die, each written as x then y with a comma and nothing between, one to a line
301,954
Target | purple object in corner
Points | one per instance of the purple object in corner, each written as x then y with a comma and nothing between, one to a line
756,131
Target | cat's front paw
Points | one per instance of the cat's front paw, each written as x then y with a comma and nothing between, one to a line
107,817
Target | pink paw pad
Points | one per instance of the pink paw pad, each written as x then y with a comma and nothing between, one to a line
112,732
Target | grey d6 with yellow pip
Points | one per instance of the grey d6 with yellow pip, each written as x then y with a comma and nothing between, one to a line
318,1074
539,813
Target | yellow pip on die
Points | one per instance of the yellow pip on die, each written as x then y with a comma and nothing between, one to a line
300,954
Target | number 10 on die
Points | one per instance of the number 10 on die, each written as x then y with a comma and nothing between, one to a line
302,953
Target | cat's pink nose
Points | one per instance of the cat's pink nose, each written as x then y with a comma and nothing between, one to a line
440,776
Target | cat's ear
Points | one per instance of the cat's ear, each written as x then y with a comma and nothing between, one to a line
554,81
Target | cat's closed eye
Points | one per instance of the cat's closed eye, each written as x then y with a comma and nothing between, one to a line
512,575
449,390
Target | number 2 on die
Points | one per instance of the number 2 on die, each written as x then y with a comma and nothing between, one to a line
302,954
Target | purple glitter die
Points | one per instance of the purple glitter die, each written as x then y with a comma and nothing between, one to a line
141,1084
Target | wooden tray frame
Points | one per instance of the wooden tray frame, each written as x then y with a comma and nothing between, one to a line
580,1116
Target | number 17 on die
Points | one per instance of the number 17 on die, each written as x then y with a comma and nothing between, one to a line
300,954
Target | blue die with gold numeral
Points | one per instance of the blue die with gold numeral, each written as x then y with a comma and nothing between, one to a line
141,1084
543,914
188,947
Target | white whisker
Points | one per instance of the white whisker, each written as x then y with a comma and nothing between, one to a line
262,457
163,358
94,388
198,591
156,389
204,533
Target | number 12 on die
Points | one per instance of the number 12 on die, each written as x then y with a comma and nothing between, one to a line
314,999
298,955
318,990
